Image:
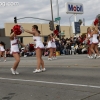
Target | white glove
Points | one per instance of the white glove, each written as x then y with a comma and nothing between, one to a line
21,28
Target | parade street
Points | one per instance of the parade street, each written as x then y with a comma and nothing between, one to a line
73,77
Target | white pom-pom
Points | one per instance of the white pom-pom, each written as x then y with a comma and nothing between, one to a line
21,28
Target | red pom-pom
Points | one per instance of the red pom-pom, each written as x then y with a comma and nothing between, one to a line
17,30
96,22
56,32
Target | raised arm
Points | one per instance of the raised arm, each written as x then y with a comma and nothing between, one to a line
54,36
12,36
30,32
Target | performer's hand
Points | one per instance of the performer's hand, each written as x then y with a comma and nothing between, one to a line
22,29
11,31
34,45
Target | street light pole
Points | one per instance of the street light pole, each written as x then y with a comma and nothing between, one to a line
52,14
70,24
58,16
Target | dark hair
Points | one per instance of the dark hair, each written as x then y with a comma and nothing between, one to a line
52,34
11,31
35,27
2,43
39,32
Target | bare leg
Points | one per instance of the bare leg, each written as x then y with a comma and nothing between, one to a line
0,55
54,52
51,53
96,49
17,58
38,55
4,55
92,48
42,62
90,53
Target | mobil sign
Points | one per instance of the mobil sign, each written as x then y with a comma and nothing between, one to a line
74,8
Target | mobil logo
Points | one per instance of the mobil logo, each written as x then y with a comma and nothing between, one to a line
75,8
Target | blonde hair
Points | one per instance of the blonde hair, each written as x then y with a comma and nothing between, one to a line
88,29
49,38
95,28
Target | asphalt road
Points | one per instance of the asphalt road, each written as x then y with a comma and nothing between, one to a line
72,77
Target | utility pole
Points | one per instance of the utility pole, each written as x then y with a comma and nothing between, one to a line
52,14
70,25
57,17
58,12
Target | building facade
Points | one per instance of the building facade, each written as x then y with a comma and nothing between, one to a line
26,38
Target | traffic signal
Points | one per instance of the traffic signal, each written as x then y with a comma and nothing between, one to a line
51,25
15,19
58,28
98,17
80,21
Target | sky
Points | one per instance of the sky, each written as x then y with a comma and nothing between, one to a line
42,9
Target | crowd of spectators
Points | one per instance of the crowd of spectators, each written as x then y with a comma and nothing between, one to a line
73,45
66,46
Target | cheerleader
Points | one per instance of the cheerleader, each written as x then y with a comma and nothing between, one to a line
39,47
94,45
54,45
89,41
2,51
49,46
15,52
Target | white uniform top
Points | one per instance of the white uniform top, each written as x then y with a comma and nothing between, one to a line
14,46
49,44
53,43
94,39
99,32
90,38
38,42
2,48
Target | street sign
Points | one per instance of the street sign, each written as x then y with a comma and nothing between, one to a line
57,19
62,33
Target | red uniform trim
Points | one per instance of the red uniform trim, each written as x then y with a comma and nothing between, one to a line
15,52
39,48
94,43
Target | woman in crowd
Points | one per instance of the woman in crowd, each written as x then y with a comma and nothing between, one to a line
49,46
15,51
53,36
2,51
95,41
39,47
89,41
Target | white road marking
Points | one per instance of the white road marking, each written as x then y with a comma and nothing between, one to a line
54,83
